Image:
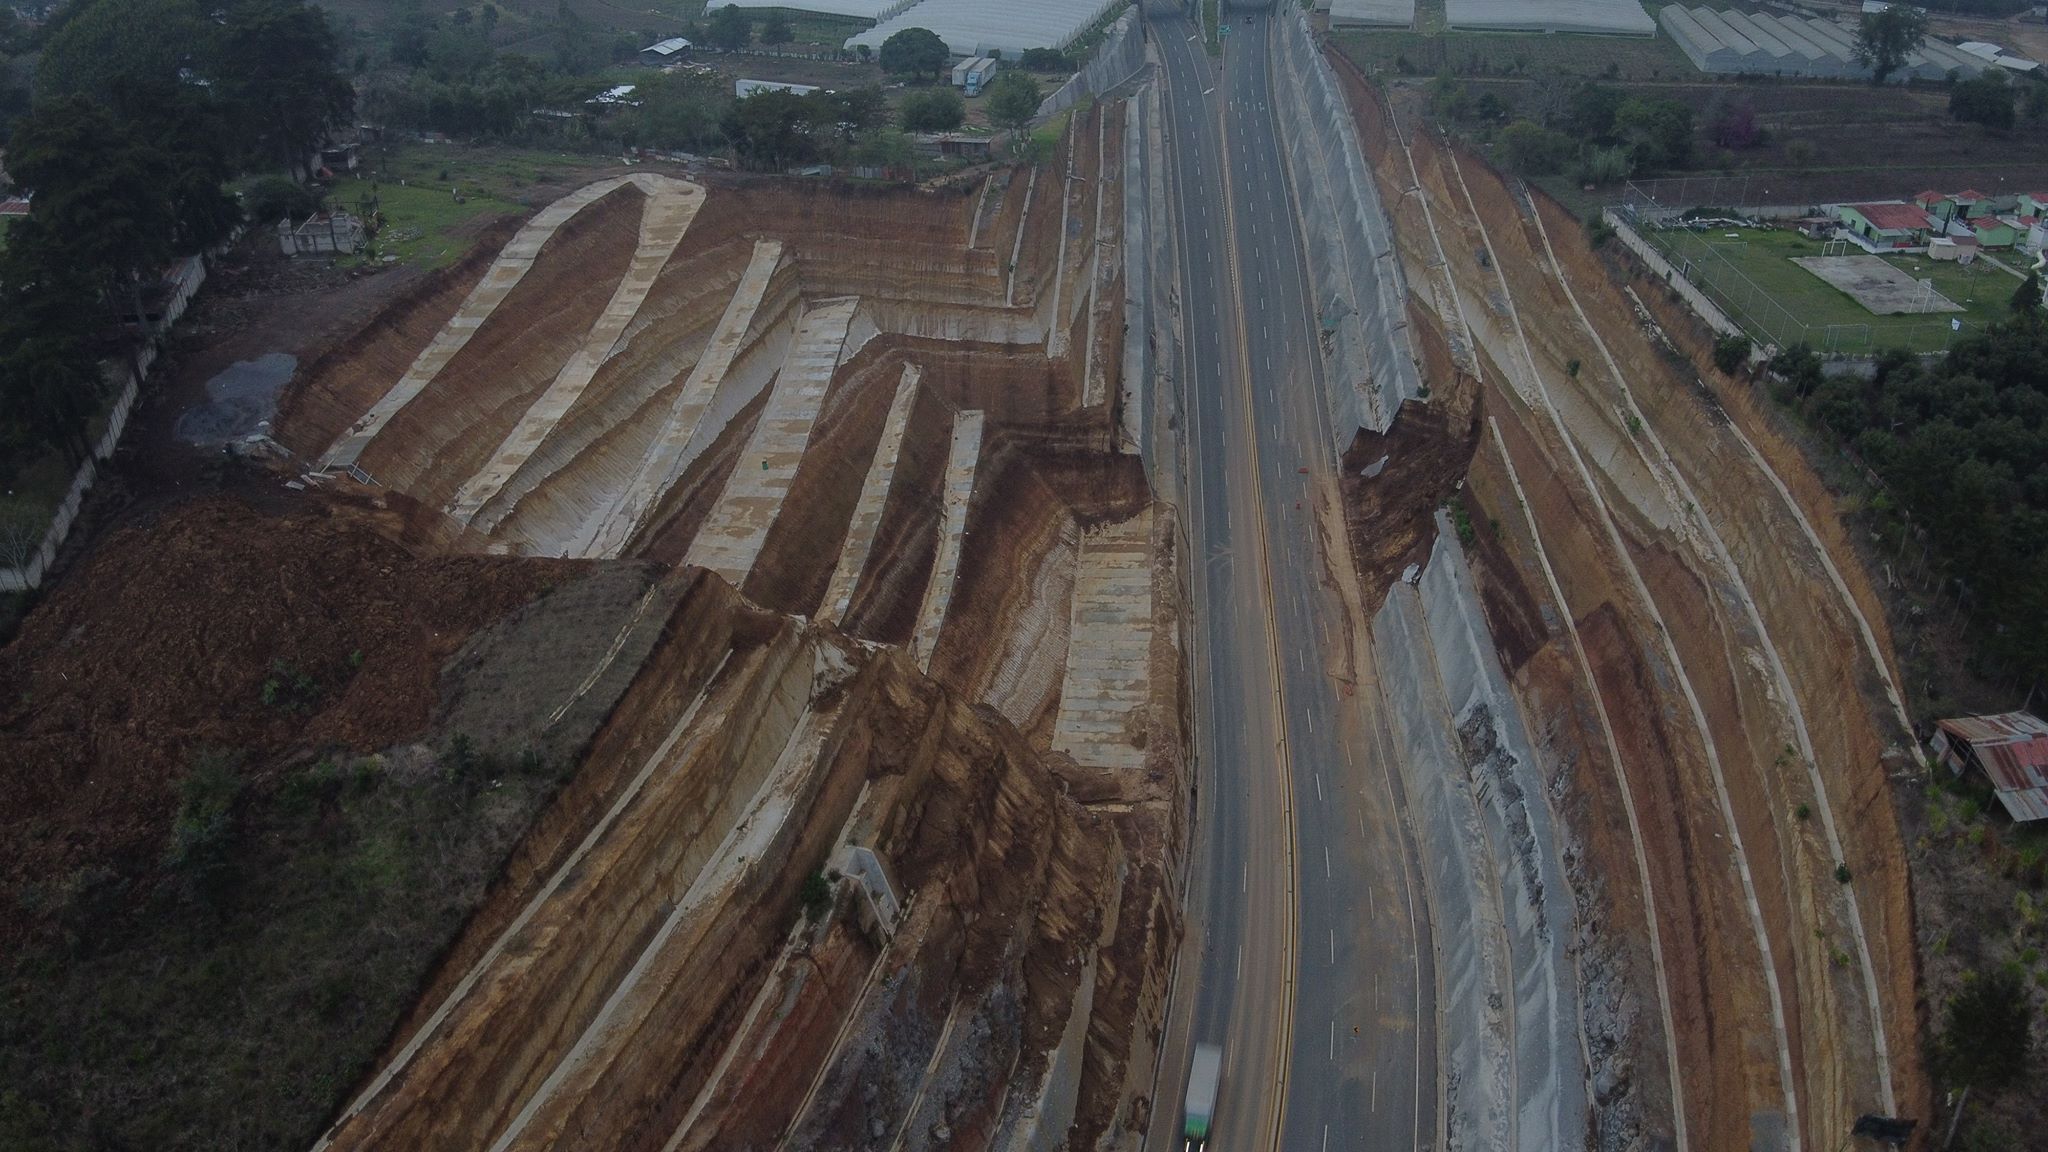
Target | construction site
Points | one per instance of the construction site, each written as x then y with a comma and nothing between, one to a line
879,671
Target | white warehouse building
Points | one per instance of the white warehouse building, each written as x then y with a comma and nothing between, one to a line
982,27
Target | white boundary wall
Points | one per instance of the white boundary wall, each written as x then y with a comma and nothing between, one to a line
1360,293
187,278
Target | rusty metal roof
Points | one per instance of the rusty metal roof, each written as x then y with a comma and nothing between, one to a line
2012,748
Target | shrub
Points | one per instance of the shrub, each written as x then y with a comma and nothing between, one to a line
939,110
203,833
1535,151
1045,60
273,197
1731,352
815,895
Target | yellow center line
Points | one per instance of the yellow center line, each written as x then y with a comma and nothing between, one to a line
1285,1036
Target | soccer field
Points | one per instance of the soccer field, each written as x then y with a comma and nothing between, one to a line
1750,273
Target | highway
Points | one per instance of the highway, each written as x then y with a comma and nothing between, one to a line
1310,957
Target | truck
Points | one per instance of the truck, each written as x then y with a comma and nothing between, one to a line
1203,1073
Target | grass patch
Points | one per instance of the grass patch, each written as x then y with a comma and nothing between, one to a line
1528,55
231,999
1780,302
416,186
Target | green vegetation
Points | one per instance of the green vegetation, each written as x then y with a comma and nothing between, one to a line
1987,100
1987,1033
1961,445
1731,353
1885,38
914,53
1749,272
938,110
1012,100
148,1016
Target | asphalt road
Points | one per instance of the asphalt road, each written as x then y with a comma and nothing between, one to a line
1308,970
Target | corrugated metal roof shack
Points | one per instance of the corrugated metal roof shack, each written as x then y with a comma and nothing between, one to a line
2010,748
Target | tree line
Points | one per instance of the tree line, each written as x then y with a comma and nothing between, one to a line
1961,443
141,112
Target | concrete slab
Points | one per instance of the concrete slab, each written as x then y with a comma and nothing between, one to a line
1877,285
671,206
938,592
607,533
874,497
504,275
731,540
1109,647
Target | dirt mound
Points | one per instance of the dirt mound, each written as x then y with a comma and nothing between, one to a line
1393,484
215,624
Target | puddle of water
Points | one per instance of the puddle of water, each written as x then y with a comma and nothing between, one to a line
240,401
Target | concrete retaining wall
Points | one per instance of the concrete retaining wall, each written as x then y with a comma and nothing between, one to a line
186,279
1360,294
1707,309
1116,60
1510,1027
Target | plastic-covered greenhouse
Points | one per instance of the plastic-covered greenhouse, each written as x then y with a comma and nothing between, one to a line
861,9
1615,17
979,27
1395,13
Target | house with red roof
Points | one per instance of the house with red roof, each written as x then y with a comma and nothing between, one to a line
1886,225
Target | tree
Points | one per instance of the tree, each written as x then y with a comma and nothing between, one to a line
1658,132
729,30
939,110
1886,38
2026,299
2035,101
1534,151
1985,100
1732,124
1012,100
679,110
1589,113
275,69
1045,60
776,30
914,52
1731,352
1988,1032
772,129
139,40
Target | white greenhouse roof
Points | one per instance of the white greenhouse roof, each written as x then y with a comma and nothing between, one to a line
1393,13
978,27
857,9
1611,16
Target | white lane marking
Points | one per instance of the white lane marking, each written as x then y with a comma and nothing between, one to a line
1240,961
1333,1041
1319,787
1326,862
1372,902
1311,722
1326,1138
1244,881
1375,1089
1333,945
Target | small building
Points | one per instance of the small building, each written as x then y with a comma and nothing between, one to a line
1816,227
14,206
664,52
1891,225
1962,250
336,233
2033,203
1991,232
2010,749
